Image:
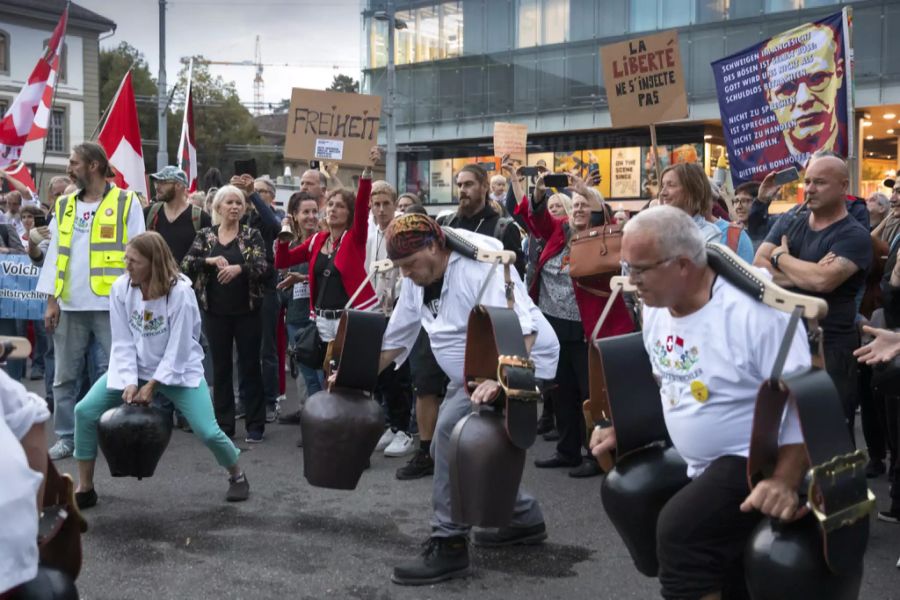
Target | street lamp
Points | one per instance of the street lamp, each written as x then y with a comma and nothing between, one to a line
390,162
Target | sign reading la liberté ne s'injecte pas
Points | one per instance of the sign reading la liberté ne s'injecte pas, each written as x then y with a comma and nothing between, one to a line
785,98
18,281
332,126
644,81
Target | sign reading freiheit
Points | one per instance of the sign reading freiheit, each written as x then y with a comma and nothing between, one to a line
332,126
644,81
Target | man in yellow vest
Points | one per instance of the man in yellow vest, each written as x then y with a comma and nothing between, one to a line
85,256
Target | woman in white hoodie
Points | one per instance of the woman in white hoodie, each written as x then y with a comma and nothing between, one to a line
155,325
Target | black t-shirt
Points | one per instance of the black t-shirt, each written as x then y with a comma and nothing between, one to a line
179,234
232,298
329,288
846,238
432,297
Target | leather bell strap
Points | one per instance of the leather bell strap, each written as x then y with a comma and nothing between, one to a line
379,266
357,349
838,493
495,350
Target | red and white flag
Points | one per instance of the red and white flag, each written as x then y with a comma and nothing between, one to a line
21,174
121,138
187,150
29,115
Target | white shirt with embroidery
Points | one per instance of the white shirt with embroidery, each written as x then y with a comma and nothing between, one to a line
710,365
154,339
447,329
77,293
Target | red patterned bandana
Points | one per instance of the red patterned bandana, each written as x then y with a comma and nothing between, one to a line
410,233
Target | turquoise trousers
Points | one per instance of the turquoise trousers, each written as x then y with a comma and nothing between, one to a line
194,403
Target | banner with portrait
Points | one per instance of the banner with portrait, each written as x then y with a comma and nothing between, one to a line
18,281
786,97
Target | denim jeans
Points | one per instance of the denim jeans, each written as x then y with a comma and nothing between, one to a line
72,341
313,378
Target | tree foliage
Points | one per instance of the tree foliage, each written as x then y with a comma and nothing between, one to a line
343,83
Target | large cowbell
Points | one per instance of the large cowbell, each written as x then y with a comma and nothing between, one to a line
341,426
821,555
487,447
133,439
648,471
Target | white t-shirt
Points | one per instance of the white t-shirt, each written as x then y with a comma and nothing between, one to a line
154,339
447,330
19,411
77,293
710,365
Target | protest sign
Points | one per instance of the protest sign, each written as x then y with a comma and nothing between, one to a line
511,138
626,173
644,81
785,98
332,126
18,280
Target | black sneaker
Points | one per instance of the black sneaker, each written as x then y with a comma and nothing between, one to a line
889,516
291,418
420,465
442,559
86,499
238,489
512,536
875,468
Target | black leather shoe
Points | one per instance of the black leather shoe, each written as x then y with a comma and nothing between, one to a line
442,559
511,536
875,468
544,426
551,436
554,462
587,468
291,418
86,499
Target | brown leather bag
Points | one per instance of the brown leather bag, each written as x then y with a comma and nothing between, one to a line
60,525
596,251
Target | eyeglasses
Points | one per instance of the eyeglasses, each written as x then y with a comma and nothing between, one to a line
630,270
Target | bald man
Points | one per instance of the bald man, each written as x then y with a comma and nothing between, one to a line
823,251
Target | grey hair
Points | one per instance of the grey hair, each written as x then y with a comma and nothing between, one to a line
883,201
323,178
266,181
674,230
221,193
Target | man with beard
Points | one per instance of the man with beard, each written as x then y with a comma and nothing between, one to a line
172,216
86,255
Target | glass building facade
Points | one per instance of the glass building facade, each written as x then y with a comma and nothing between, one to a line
461,65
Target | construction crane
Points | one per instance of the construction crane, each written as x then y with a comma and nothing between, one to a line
258,64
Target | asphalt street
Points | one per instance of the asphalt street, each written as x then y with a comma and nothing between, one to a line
174,536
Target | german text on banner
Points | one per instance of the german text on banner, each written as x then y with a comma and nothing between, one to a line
785,98
18,280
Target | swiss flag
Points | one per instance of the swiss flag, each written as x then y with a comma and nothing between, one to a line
187,150
121,138
20,173
29,115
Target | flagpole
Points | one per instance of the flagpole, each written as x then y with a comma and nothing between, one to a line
109,106
62,43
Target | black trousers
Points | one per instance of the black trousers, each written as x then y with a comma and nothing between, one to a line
871,412
701,534
394,392
892,427
842,367
571,388
223,333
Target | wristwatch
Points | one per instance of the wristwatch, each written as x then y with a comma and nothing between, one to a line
774,259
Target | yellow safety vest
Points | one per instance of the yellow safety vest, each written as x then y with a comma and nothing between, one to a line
109,234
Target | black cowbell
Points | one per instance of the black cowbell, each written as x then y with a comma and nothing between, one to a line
340,431
133,439
485,470
634,493
784,561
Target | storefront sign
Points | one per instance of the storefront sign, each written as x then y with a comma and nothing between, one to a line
626,173
785,98
18,280
441,188
644,81
332,126
511,138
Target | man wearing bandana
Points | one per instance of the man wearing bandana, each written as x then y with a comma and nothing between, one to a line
439,290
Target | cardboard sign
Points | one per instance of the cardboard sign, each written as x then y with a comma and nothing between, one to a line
332,126
511,138
626,173
644,80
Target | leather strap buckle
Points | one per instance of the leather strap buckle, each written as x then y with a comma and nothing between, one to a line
516,376
832,480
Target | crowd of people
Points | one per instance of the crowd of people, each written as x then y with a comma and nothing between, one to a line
157,302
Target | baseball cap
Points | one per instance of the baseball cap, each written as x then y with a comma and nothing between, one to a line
171,173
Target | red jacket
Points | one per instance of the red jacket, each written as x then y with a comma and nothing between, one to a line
547,227
351,255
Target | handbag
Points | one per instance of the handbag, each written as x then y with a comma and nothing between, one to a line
60,525
596,251
307,347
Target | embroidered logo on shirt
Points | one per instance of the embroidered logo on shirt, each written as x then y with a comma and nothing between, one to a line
673,354
83,221
146,324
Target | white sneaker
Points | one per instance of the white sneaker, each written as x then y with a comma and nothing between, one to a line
401,445
386,438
